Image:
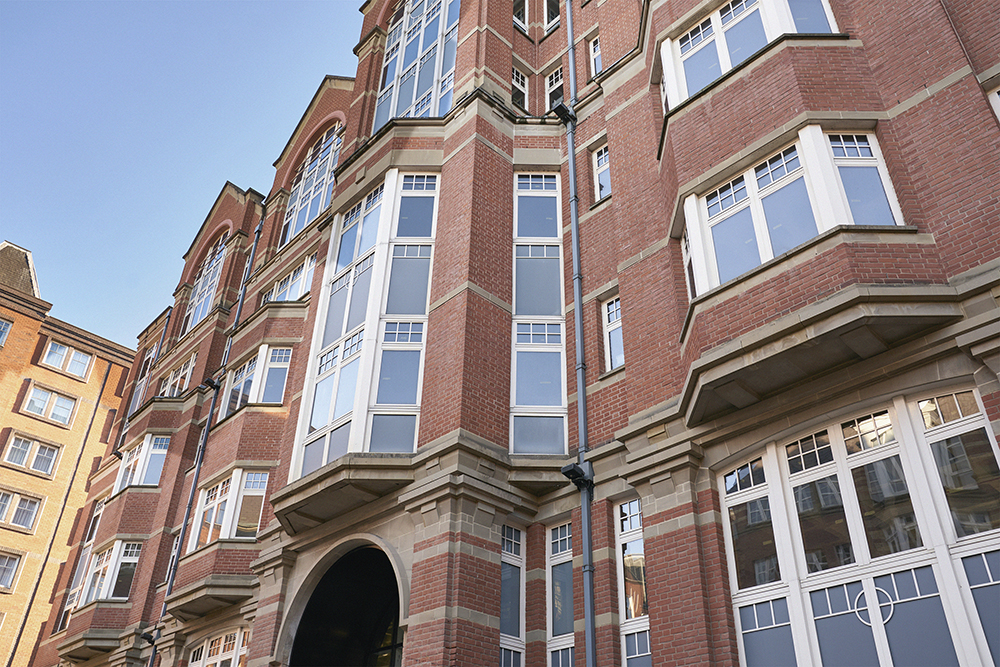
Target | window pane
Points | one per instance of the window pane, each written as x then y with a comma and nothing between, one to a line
335,316
823,522
274,385
603,183
735,245
17,453
154,468
789,216
408,286
426,77
745,38
345,255
369,229
809,16
865,193
771,647
45,457
339,439
55,355
79,363
359,299
971,480
345,391
886,508
537,280
416,215
123,582
538,435
398,375
312,456
537,216
393,433
321,404
562,598
510,599
701,69
539,378
634,571
753,543
39,399
248,519
617,347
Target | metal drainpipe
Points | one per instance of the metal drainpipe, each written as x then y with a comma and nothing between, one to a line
581,473
215,386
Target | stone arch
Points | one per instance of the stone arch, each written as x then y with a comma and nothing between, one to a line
328,121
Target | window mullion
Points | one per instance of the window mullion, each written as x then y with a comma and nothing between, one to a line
257,383
718,42
827,194
934,518
756,203
849,495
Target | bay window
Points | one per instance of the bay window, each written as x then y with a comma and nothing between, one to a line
229,509
112,571
830,538
511,597
81,572
179,380
818,182
293,286
246,385
143,463
142,377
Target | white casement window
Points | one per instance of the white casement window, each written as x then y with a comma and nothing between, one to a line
50,405
27,453
67,359
632,593
554,88
179,380
8,570
226,650
896,503
5,328
142,377
142,464
295,285
205,282
418,71
723,40
594,50
559,620
602,173
815,184
246,385
312,184
511,597
230,509
75,597
519,88
521,14
538,394
17,509
551,15
112,571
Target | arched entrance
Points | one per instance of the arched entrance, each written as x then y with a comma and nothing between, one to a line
352,617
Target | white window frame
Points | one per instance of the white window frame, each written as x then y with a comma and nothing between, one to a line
553,82
602,164
312,184
227,494
205,284
519,82
10,568
178,381
5,328
552,15
513,544
629,627
521,23
227,649
51,401
67,357
293,286
142,378
105,566
32,450
82,569
776,18
828,200
136,460
558,550
404,28
941,548
269,358
594,51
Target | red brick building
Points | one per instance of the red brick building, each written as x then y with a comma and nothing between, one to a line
787,282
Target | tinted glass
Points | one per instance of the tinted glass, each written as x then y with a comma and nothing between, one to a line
416,215
771,647
539,378
538,435
335,316
537,216
123,582
510,599
312,456
538,286
339,438
398,374
345,255
745,38
408,286
320,416
345,391
369,229
701,69
865,193
359,300
735,245
809,16
789,216
274,385
562,598
393,433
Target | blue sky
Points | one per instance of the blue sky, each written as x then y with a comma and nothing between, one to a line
121,121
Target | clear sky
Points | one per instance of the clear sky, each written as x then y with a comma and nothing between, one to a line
120,122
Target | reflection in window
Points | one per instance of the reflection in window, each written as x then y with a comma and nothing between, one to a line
825,537
886,508
753,543
971,480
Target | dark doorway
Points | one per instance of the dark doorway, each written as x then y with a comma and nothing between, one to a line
352,618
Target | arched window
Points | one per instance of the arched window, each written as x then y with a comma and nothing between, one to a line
312,184
205,282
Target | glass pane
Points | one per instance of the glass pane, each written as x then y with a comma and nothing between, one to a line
735,245
869,204
988,605
335,316
771,647
745,38
369,229
345,392
701,69
603,183
537,216
393,433
617,347
538,435
321,404
562,598
274,385
416,216
426,77
450,45
809,16
886,508
153,468
510,599
918,634
823,522
538,288
405,98
789,216
753,543
345,255
845,640
539,378
339,439
359,299
123,582
249,517
312,456
634,572
971,480
408,286
382,112
398,374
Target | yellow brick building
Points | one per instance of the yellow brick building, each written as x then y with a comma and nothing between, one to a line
60,391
